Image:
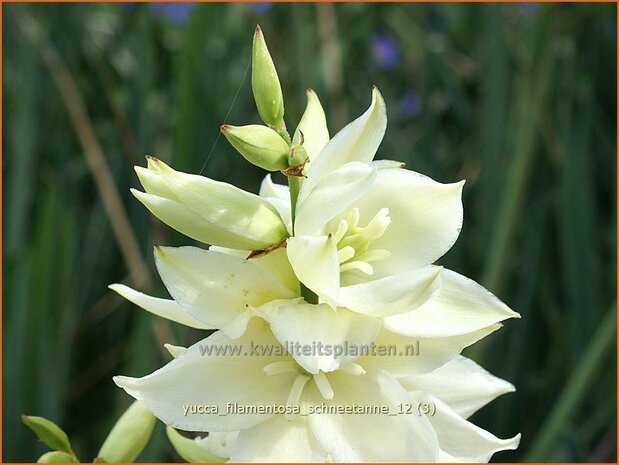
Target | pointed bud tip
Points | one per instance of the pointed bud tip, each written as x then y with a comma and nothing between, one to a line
225,127
258,29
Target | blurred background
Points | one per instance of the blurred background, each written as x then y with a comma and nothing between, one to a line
518,99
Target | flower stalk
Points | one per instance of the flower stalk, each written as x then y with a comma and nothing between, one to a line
294,183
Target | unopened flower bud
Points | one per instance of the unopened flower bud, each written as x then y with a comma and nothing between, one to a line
49,433
56,456
259,145
129,435
265,83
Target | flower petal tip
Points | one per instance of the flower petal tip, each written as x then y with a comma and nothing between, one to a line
126,382
116,287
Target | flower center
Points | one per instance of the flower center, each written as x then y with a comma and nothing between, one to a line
354,241
298,385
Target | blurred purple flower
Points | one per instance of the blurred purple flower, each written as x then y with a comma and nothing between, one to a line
175,12
528,8
410,104
385,50
260,7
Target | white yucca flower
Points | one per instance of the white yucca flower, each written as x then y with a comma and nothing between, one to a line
455,390
344,257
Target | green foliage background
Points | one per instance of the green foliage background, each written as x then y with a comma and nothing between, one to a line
519,99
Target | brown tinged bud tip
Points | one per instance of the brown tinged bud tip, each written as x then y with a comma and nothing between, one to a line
258,30
225,127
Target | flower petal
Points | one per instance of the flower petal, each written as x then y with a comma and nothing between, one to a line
306,325
426,217
164,308
214,380
279,196
278,440
462,384
277,265
371,437
358,141
460,307
330,196
461,438
316,264
313,125
270,189
175,351
217,288
405,356
393,294
209,211
220,444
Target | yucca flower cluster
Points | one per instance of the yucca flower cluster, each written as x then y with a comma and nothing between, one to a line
341,258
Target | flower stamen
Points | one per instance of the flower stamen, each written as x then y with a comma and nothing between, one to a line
354,241
323,385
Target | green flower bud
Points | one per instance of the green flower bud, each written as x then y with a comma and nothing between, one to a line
259,145
297,156
129,435
56,457
189,449
265,83
49,433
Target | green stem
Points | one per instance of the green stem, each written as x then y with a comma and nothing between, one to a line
575,390
294,182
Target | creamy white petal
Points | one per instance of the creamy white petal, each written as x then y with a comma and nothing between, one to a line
383,164
461,383
404,356
308,325
277,265
426,218
270,189
220,444
371,437
164,308
315,263
444,457
461,438
393,294
209,211
216,288
460,307
313,125
194,379
277,195
358,141
175,351
331,195
234,252
278,440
